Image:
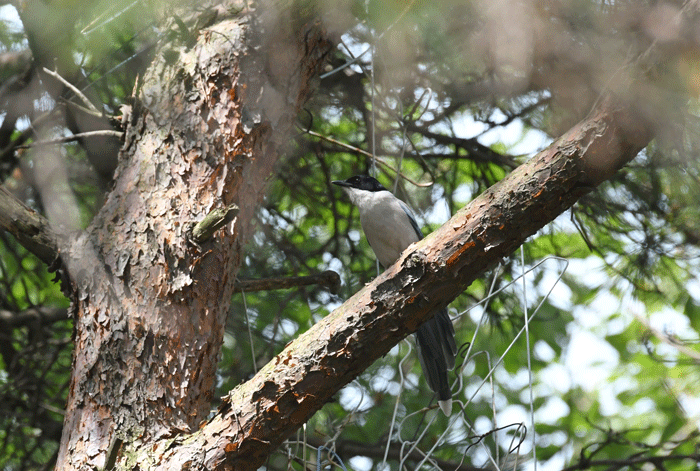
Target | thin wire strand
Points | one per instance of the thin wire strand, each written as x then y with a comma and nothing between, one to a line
373,120
373,160
250,333
492,369
108,20
402,381
403,151
303,446
458,423
529,362
354,60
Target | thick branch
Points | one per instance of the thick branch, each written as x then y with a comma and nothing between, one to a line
39,314
328,279
258,415
31,229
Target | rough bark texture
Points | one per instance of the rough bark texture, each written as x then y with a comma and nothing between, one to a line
151,304
260,414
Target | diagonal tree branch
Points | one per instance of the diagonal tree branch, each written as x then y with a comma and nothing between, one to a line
260,414
328,279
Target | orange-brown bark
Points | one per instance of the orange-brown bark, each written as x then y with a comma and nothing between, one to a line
151,305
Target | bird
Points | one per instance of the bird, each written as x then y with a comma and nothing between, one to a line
390,227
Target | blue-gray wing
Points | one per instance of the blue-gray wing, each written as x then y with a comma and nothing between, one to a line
415,225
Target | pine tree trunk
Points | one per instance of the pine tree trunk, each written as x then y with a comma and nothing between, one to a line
151,302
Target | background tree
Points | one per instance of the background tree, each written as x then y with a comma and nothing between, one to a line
450,97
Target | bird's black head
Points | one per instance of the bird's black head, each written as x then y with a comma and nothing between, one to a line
361,182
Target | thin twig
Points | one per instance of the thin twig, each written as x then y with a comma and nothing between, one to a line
82,109
77,92
667,339
72,138
364,152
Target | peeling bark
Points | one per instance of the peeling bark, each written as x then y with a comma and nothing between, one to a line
151,305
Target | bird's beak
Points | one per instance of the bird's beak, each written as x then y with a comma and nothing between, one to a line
341,183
